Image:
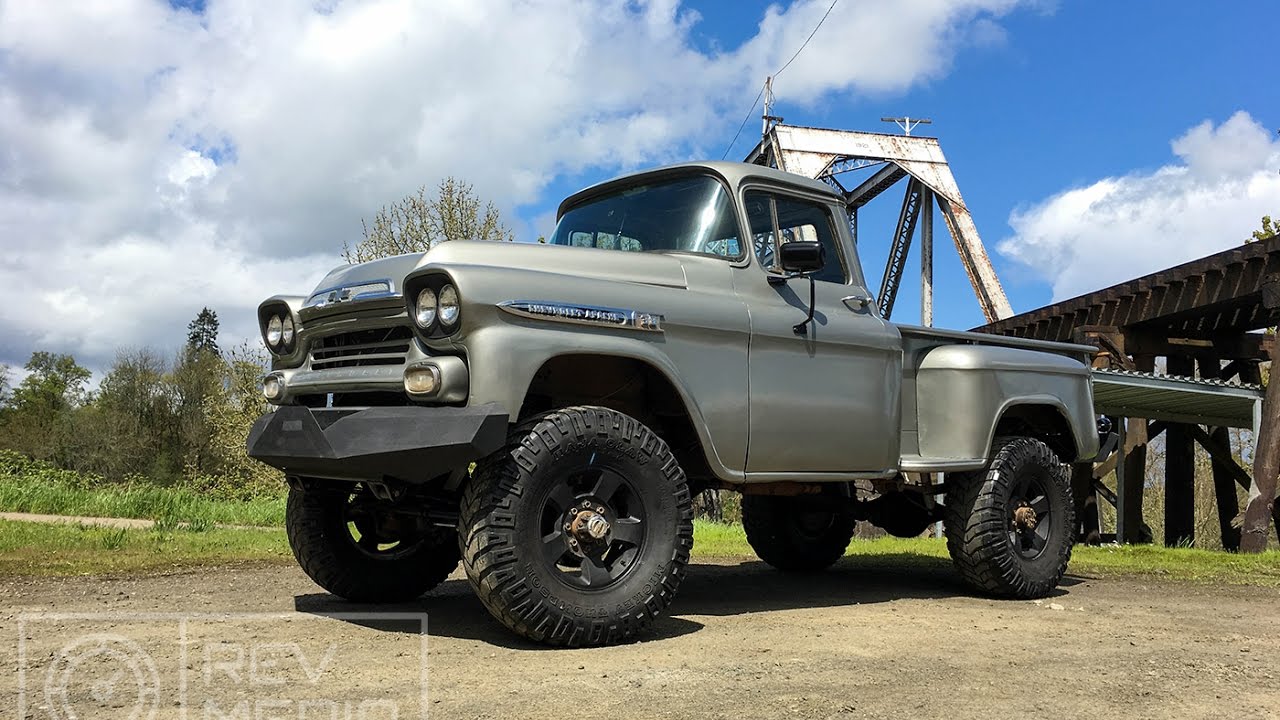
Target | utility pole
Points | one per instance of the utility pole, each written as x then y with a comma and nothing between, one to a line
768,118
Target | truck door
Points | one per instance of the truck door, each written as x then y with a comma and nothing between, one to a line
826,400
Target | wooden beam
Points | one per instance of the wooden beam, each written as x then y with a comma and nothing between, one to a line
1226,471
1224,490
1229,346
1179,471
1154,428
1137,435
1088,524
1231,369
1135,475
1220,451
1108,466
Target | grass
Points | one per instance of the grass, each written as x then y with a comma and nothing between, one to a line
1186,564
64,549
166,505
715,540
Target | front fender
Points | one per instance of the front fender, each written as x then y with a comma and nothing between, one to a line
701,342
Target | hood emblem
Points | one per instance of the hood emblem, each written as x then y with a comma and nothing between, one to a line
584,314
368,290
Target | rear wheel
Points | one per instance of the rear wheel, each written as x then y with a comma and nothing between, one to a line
796,533
1010,527
362,549
579,531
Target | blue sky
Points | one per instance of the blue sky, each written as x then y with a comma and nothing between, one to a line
158,157
1070,93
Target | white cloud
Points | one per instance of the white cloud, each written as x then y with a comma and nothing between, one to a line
1210,199
156,160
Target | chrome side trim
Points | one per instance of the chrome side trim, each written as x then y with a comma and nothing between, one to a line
584,314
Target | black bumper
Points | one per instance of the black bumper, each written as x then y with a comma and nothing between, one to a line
412,444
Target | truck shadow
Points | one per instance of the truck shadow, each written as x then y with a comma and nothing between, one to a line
715,590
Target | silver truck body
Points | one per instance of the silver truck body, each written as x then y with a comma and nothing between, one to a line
853,397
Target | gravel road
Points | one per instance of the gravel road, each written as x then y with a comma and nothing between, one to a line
742,641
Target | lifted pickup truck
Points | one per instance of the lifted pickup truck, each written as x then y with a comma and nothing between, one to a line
544,413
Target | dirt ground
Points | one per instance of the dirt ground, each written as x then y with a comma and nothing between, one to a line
742,641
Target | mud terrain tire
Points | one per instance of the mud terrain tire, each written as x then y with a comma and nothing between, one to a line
529,511
317,523
999,547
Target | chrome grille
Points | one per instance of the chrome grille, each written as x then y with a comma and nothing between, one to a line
376,346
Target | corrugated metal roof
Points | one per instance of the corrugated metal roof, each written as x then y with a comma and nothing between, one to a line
1174,399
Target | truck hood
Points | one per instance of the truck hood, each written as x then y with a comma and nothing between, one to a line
367,275
365,278
614,265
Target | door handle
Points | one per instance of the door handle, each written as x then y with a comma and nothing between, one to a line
857,302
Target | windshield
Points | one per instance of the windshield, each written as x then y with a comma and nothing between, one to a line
691,214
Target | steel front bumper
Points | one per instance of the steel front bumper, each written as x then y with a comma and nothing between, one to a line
413,444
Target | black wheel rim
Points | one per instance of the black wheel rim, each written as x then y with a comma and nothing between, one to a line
375,531
1031,515
592,528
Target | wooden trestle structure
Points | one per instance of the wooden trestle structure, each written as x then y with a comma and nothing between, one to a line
1207,319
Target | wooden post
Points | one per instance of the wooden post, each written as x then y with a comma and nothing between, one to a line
1088,524
1224,484
1179,471
1135,468
1261,506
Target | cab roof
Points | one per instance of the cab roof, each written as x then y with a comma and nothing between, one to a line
734,173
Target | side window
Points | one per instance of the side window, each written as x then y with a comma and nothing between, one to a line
778,219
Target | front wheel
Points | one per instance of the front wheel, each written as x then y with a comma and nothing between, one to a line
579,531
1010,527
364,549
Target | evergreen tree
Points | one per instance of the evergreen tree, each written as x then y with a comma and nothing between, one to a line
202,333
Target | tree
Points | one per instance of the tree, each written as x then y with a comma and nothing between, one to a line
38,420
1269,230
55,382
196,376
418,223
202,333
229,413
135,420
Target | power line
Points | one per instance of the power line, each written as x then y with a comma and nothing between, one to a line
806,40
784,67
744,123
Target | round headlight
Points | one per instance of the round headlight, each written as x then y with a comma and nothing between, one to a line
449,306
424,311
275,330
286,334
